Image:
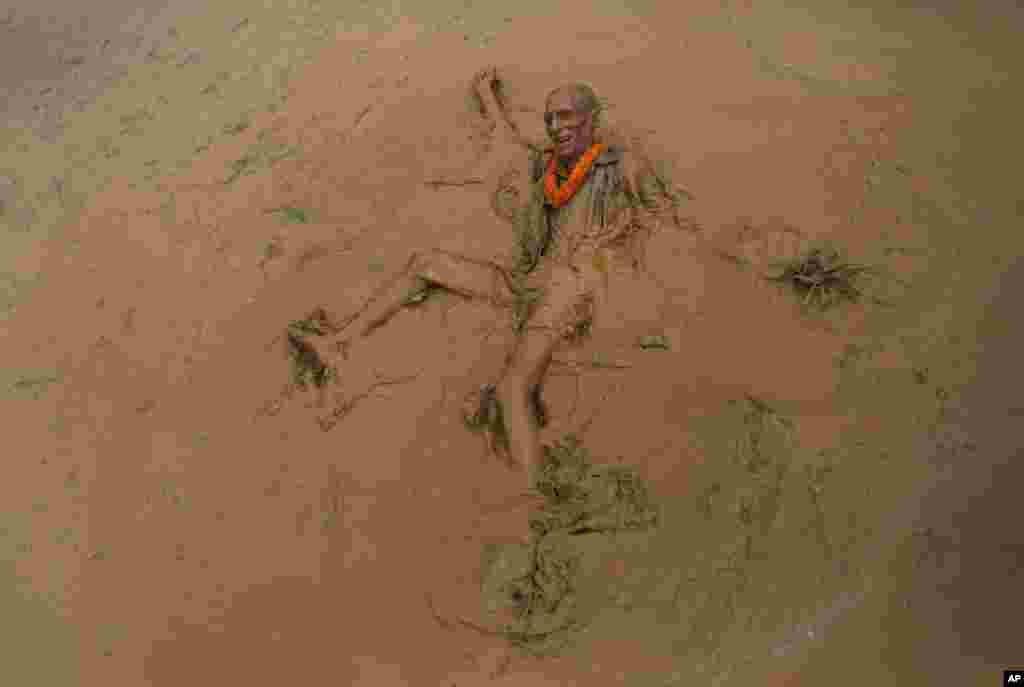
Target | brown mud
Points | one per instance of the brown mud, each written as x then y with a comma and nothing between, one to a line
833,486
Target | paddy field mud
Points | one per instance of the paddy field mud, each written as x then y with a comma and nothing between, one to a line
767,493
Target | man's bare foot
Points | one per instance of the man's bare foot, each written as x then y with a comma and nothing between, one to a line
319,351
312,346
481,412
480,407
540,408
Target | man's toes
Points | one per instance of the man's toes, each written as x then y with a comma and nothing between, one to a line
478,408
540,408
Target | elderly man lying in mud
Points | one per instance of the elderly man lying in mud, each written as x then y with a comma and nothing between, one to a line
591,204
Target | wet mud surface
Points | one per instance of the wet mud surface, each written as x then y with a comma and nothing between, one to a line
769,486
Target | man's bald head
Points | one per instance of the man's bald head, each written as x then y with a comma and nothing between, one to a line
570,115
582,96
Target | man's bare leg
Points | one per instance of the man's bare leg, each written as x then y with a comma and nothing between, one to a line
516,392
433,269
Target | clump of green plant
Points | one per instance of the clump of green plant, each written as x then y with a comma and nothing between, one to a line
582,498
542,600
578,498
293,215
376,264
563,474
654,342
821,277
308,367
272,249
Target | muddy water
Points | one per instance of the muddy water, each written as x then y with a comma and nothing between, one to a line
828,486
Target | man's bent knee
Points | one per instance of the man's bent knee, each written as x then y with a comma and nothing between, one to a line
427,268
461,275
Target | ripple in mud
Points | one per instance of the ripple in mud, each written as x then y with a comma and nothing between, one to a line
776,531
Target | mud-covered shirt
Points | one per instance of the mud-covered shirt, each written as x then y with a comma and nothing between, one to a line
621,202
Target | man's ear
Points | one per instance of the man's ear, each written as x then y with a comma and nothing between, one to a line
592,123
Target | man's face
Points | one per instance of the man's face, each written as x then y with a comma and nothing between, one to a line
572,131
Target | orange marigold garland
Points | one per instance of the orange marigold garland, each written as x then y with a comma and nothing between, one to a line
560,195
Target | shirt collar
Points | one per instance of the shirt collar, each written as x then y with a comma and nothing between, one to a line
608,156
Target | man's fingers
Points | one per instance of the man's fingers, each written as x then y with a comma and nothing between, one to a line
487,76
484,74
